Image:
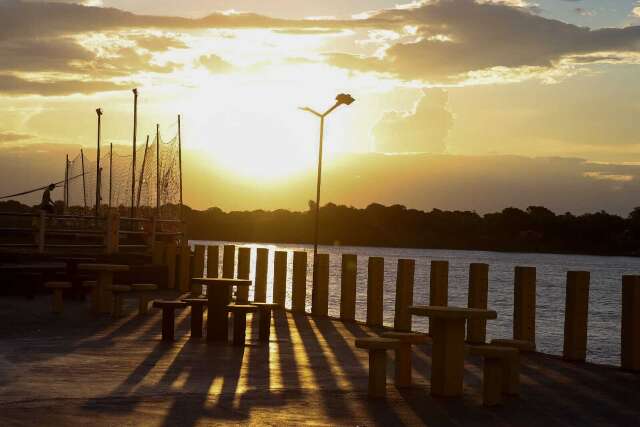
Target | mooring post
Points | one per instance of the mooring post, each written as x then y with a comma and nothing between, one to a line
439,285
280,278
348,287
260,290
404,294
478,295
228,261
524,304
631,323
576,316
244,271
213,257
375,291
299,282
320,298
198,269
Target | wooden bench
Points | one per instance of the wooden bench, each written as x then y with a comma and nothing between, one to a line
377,362
500,372
403,354
168,316
197,308
57,303
264,318
143,291
118,292
240,321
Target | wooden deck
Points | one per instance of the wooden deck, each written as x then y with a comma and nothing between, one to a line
76,369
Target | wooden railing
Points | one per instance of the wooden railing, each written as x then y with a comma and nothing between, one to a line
524,308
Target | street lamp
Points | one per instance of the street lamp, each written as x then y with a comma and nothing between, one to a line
341,99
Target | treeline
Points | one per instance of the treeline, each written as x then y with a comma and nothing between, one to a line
536,229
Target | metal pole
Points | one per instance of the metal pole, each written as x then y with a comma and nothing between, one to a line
144,160
110,171
157,170
180,162
66,184
84,183
99,113
317,218
133,161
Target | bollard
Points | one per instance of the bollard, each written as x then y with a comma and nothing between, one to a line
228,261
631,323
280,278
244,271
524,304
375,291
198,268
320,291
576,316
478,295
171,251
348,288
404,295
213,257
299,282
439,285
260,290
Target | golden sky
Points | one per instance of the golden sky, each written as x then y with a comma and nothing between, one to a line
448,92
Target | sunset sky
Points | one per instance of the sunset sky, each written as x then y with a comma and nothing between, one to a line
460,104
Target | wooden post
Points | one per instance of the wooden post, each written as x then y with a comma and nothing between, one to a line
404,294
213,257
133,151
320,298
180,161
144,161
228,261
524,304
478,295
439,285
84,182
152,235
299,282
631,323
375,291
171,264
244,271
112,232
184,271
280,278
42,231
198,268
157,170
576,316
98,183
66,185
348,288
260,290
110,171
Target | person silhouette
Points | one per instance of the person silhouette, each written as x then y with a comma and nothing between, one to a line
47,204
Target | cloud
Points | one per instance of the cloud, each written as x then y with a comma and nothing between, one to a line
455,37
422,130
13,85
13,137
214,64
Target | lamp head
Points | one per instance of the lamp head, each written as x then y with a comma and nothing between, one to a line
344,98
99,111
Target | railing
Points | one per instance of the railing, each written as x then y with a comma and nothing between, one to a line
102,233
524,307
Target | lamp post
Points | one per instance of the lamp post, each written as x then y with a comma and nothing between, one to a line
98,183
341,99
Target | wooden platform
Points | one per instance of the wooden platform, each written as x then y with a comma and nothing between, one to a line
74,369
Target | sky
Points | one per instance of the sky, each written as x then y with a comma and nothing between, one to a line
460,104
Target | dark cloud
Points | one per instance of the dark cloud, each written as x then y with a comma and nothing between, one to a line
55,54
14,137
421,131
12,85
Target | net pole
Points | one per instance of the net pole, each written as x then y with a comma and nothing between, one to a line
144,161
157,170
180,162
133,162
99,113
110,171
84,182
66,184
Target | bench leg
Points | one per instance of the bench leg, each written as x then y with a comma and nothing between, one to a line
377,373
492,382
447,365
403,365
168,324
217,316
57,302
143,304
239,328
117,305
196,321
264,325
511,376
95,300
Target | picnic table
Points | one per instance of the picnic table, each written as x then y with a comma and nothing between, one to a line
104,299
40,268
219,297
447,332
72,273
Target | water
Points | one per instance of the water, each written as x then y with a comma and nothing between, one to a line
604,302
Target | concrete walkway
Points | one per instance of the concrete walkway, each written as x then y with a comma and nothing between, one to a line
74,369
